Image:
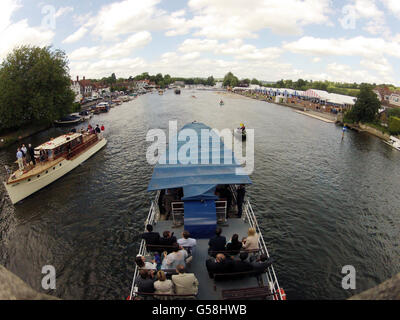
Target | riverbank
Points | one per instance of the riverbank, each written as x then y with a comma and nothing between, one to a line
8,139
323,116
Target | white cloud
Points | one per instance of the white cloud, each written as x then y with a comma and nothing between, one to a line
101,68
393,6
76,36
85,53
243,19
236,48
119,50
368,9
123,49
381,66
14,34
358,46
341,72
63,11
125,17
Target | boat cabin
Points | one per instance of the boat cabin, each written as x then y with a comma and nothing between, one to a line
200,192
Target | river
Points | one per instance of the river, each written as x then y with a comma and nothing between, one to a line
322,203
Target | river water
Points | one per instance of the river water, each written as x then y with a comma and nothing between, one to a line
322,203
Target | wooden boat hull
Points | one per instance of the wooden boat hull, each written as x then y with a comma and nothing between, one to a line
20,190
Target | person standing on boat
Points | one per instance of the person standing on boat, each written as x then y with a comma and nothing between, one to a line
20,159
31,152
241,192
24,152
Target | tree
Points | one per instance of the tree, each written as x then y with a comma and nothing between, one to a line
210,81
35,87
280,84
394,125
255,81
113,78
300,84
230,80
366,107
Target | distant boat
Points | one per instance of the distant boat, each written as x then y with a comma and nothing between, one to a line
177,91
85,115
68,120
103,107
221,103
117,102
160,92
393,142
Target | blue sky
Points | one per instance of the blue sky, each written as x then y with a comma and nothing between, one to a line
344,40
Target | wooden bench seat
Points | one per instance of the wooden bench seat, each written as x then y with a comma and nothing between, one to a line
246,293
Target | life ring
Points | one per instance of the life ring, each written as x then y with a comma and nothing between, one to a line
283,294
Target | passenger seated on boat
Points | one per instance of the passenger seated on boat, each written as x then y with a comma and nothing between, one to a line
152,238
260,264
167,241
43,155
145,282
175,258
188,243
242,265
220,264
234,246
163,285
185,283
251,242
143,264
217,243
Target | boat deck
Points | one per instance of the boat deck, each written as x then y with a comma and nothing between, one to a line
198,264
32,170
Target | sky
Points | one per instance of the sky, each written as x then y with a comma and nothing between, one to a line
343,40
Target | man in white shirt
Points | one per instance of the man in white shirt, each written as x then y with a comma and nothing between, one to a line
187,242
20,159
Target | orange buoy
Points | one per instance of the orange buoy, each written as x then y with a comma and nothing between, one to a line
283,294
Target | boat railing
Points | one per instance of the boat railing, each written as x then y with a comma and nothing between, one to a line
178,211
271,275
152,218
82,146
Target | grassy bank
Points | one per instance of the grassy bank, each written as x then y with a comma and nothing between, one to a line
11,137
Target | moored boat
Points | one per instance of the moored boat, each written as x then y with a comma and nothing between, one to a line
68,120
53,159
117,102
394,142
85,115
103,107
198,198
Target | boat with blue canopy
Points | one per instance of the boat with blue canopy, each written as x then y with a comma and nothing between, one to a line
199,193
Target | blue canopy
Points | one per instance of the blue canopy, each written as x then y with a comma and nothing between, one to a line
208,166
